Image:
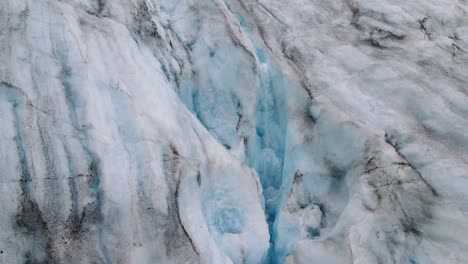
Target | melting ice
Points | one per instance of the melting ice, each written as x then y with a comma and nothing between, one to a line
219,131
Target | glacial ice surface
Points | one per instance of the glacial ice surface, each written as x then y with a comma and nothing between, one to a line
222,131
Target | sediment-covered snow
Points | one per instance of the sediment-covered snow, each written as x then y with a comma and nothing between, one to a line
219,131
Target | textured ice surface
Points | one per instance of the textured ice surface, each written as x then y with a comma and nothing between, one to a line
233,131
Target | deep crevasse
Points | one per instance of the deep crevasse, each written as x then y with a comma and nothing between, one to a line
261,144
326,101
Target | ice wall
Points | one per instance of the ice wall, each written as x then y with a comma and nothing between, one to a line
101,162
252,131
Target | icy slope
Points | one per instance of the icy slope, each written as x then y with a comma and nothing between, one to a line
353,114
128,129
101,162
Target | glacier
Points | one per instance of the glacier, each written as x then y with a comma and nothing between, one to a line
234,131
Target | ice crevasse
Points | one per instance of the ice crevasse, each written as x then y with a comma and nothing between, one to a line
233,131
